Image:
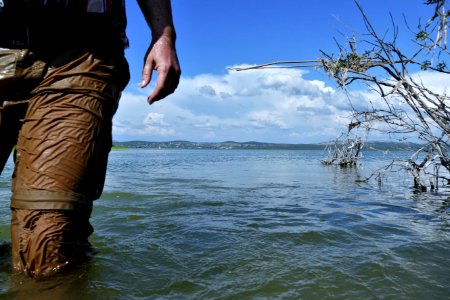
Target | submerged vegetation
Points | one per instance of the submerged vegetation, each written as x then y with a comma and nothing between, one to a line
344,151
404,107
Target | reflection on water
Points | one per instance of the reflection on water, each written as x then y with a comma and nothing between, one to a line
251,224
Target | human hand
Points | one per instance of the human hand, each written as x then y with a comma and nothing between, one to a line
162,57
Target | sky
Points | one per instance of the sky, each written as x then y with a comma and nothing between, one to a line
214,103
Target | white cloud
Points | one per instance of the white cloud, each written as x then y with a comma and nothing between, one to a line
210,134
435,82
261,119
154,119
274,105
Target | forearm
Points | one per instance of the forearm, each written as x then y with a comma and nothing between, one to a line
158,14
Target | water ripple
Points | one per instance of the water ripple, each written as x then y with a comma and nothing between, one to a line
252,225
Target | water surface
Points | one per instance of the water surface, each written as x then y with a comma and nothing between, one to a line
213,224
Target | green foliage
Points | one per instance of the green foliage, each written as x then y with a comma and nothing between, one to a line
425,65
442,66
353,56
422,36
349,61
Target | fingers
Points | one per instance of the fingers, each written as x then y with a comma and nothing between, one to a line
147,74
166,83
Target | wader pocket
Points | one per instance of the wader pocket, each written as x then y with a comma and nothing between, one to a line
20,73
8,59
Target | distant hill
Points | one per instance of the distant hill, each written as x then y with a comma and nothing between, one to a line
230,145
392,146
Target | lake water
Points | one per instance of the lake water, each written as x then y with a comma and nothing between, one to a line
231,224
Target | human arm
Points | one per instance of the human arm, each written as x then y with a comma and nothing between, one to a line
161,55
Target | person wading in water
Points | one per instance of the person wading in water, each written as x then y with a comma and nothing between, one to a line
62,71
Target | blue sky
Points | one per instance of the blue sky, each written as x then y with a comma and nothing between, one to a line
213,103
